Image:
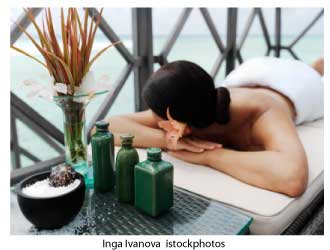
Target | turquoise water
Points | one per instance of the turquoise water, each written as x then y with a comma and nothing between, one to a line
199,49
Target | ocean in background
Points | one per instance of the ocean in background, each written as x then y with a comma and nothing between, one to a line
200,49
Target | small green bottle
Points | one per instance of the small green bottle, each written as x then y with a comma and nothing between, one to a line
153,184
126,159
103,157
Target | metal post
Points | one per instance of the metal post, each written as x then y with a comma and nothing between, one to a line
14,142
143,50
231,39
264,30
278,32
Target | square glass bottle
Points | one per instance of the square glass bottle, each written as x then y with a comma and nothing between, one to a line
153,184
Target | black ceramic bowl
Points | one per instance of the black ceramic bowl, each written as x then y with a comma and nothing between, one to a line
53,212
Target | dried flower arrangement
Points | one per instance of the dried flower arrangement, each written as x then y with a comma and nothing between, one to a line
69,61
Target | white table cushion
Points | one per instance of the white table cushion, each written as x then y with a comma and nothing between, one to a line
272,212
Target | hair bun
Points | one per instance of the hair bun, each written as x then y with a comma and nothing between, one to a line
222,114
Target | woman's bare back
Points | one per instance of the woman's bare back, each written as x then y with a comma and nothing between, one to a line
247,105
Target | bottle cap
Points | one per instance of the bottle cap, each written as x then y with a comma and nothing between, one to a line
102,125
154,154
126,139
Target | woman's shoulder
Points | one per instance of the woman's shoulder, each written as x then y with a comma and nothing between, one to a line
251,98
252,103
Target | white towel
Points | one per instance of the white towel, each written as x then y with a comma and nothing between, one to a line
298,81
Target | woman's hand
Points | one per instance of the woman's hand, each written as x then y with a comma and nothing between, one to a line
189,144
195,158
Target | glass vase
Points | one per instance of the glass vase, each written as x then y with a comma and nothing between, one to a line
74,129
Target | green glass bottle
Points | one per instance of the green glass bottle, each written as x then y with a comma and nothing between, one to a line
126,159
103,157
153,184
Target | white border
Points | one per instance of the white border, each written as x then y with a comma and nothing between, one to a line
95,242
169,3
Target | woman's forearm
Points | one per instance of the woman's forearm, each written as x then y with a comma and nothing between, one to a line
265,169
144,136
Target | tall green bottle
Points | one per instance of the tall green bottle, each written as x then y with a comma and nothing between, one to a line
103,157
126,159
153,184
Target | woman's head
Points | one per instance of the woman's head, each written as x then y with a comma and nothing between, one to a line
189,93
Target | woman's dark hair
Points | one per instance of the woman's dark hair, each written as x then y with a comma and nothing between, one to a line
189,92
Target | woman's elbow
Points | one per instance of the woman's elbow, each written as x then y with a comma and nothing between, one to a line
296,188
296,182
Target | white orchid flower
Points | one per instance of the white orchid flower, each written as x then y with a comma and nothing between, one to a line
61,88
38,89
89,85
47,88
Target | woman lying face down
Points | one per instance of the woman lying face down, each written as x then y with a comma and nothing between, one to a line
246,131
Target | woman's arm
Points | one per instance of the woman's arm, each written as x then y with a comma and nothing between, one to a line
282,167
142,125
264,169
270,170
